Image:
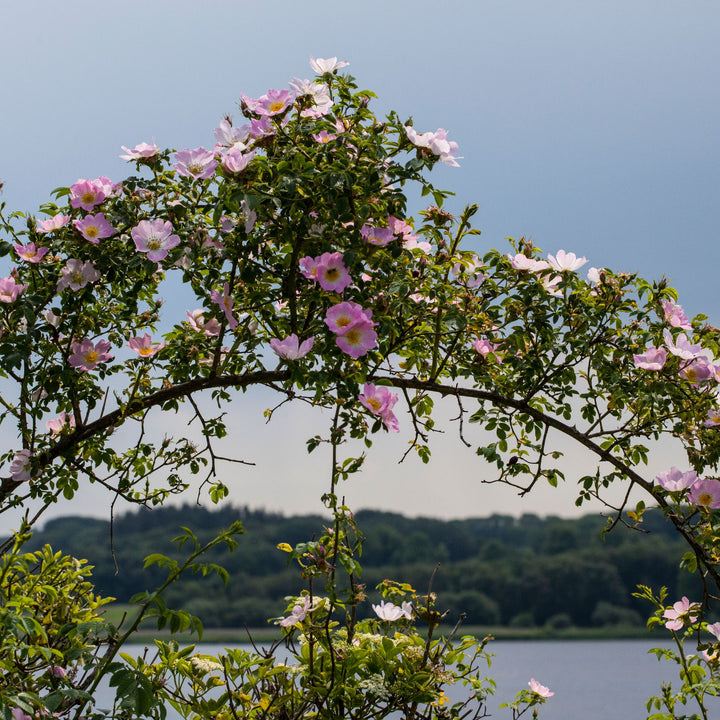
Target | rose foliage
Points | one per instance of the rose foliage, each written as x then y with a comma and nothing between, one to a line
294,265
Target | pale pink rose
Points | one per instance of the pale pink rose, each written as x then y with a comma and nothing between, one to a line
682,347
229,137
698,370
345,315
77,274
235,161
291,348
198,163
226,302
297,614
484,347
30,253
196,320
566,262
87,355
681,611
714,629
436,142
94,228
521,262
357,340
550,284
54,223
705,493
10,290
274,102
326,65
142,151
380,401
389,612
331,273
86,194
652,359
673,480
144,346
154,237
20,468
58,424
675,316
539,689
377,235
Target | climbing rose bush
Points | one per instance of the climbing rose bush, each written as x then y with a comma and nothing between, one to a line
297,265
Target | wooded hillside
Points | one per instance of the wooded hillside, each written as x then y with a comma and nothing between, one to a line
500,570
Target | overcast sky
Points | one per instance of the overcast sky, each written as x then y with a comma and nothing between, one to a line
591,127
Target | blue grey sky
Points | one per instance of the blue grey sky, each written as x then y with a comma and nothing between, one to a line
591,127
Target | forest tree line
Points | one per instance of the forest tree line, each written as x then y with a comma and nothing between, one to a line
499,570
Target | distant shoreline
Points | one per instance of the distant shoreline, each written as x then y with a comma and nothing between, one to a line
266,635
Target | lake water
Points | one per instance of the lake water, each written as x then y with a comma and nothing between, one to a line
592,680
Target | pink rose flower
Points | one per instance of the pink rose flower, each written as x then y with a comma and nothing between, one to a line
54,223
521,262
94,228
144,346
652,359
20,468
142,151
77,274
566,262
226,303
30,253
58,424
682,347
196,320
86,194
436,142
376,235
87,355
705,493
673,480
291,348
681,611
10,290
229,137
389,612
198,163
326,65
345,315
298,613
358,340
274,102
539,689
154,237
331,273
235,161
380,401
675,316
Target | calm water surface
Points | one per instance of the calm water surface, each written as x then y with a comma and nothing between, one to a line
592,680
